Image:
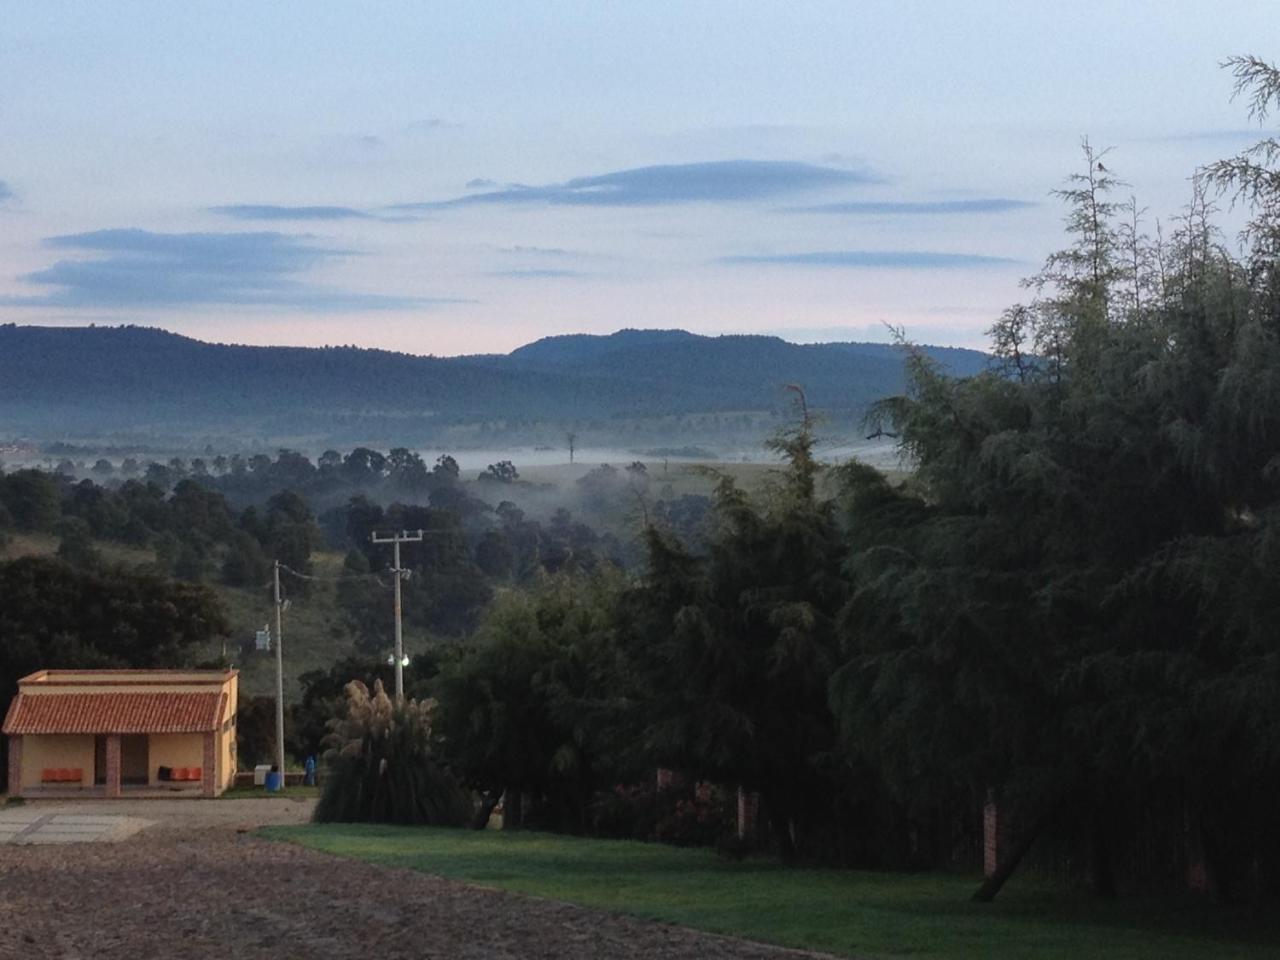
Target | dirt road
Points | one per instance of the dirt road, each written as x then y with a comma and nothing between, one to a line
192,885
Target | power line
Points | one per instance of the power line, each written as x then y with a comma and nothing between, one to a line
338,579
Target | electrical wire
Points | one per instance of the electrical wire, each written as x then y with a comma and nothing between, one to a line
377,578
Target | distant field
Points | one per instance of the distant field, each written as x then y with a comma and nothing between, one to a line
854,913
46,545
682,475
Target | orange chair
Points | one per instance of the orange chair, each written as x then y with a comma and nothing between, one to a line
64,775
195,773
48,776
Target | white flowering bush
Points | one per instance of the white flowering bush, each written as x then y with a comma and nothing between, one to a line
380,767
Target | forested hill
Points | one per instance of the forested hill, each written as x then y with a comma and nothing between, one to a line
61,382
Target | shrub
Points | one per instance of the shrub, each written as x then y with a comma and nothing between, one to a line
683,816
380,767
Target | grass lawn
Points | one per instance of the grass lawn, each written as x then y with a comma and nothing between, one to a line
847,912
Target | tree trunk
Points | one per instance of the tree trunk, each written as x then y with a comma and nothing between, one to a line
992,885
488,803
513,810
782,831
1104,880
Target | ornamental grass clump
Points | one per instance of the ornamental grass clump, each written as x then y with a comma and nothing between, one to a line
380,768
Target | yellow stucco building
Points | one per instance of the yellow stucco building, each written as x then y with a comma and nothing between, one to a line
108,733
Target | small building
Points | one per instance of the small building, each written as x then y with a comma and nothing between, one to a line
112,733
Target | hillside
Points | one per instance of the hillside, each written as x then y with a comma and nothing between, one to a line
61,383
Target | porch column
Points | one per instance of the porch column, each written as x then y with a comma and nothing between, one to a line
15,765
208,770
113,765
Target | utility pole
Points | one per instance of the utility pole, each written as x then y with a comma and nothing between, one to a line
396,539
279,676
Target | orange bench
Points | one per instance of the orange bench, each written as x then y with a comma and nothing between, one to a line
61,775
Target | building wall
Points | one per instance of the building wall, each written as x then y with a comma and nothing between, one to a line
42,752
229,760
174,750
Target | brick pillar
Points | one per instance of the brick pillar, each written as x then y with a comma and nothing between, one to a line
208,770
995,834
15,766
113,765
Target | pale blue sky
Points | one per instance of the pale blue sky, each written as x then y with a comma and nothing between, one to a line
467,177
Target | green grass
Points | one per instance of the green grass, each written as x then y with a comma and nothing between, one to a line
846,912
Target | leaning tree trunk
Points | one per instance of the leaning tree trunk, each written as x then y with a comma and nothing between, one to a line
992,885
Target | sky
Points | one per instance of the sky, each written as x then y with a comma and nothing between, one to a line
465,178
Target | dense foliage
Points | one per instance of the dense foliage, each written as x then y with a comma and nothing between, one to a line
1066,610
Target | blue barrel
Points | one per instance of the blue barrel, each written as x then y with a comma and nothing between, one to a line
274,781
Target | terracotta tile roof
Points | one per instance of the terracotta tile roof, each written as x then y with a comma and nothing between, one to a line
114,713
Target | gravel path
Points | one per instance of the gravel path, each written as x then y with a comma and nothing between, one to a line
193,885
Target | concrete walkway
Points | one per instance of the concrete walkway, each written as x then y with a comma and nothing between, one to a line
24,825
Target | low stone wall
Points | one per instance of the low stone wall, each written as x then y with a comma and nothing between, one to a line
292,778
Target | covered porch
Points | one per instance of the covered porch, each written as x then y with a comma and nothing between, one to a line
117,744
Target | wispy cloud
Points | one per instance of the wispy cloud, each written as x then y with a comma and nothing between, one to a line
917,208
139,268
523,251
878,259
535,273
431,124
713,182
270,211
6,193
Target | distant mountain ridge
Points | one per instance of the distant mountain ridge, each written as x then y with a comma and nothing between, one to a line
57,382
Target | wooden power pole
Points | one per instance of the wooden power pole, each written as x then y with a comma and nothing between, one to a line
396,539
